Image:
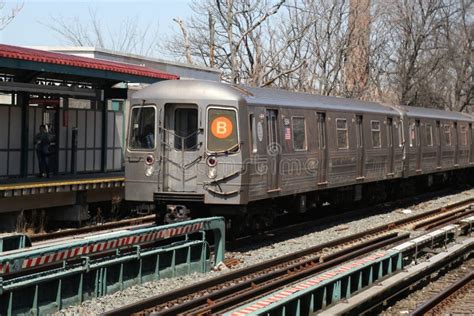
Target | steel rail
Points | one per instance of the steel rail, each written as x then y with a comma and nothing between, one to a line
449,219
213,284
443,295
216,304
216,283
92,229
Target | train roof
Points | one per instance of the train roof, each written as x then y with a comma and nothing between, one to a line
415,111
270,96
217,91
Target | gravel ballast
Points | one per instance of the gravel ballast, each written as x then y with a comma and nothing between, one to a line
311,237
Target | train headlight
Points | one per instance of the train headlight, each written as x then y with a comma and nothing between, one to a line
212,173
149,171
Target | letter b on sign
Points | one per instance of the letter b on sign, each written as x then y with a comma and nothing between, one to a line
221,127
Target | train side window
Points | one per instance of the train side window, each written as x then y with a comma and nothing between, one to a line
412,134
298,125
342,136
463,135
142,128
447,134
429,135
253,134
376,138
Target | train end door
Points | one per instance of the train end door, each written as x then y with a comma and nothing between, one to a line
391,149
180,147
471,143
418,145
273,151
323,149
456,145
439,136
360,175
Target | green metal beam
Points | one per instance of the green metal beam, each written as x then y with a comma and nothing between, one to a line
54,254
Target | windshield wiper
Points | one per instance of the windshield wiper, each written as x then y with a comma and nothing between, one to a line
229,150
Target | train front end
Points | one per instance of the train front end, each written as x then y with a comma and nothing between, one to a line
184,152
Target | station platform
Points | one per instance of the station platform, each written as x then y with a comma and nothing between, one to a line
60,183
65,197
79,105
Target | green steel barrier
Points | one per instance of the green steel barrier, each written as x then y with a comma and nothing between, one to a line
315,293
321,290
43,291
10,242
20,261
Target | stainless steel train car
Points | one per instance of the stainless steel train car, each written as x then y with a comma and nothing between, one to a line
250,154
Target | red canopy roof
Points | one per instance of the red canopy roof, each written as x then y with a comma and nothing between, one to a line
22,53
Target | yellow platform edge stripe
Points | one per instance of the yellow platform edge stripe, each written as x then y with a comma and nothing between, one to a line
35,185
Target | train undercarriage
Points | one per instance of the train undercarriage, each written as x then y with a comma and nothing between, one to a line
259,216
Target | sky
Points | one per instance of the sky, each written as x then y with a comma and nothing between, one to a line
28,29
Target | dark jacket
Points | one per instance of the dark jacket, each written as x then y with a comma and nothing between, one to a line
42,142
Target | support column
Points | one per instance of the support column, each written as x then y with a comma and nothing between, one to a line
23,101
102,102
57,127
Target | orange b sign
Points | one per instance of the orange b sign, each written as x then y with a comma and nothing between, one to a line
221,127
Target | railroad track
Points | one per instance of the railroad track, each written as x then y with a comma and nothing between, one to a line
455,298
276,234
132,222
238,243
218,294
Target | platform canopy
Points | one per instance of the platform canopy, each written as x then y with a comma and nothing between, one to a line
22,60
67,94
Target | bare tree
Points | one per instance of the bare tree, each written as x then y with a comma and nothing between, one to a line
357,64
459,38
131,37
187,46
301,47
416,52
227,34
5,19
417,26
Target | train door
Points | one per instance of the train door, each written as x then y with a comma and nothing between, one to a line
471,144
360,146
418,145
438,144
180,147
323,149
391,152
273,150
456,144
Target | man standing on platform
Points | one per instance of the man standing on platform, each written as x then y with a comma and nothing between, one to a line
42,142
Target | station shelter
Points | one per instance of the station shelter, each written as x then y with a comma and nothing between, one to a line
81,101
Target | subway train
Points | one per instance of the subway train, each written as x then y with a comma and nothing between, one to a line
198,148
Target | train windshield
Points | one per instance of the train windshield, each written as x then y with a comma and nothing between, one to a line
142,128
222,133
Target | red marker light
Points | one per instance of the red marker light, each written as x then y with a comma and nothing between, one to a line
149,160
211,161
